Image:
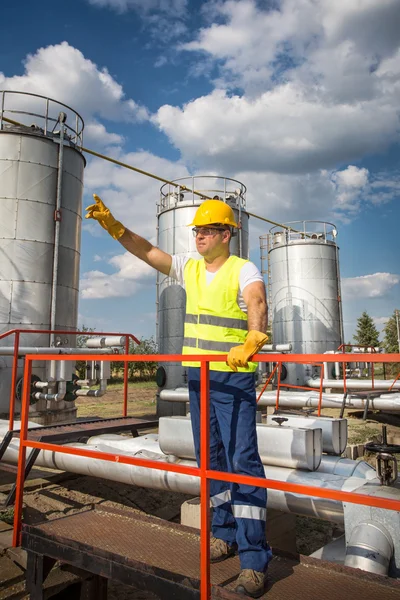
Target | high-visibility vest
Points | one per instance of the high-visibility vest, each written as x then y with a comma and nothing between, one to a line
214,322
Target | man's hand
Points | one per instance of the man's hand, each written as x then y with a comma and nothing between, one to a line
239,355
99,212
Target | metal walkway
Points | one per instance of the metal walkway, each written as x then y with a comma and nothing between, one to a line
163,557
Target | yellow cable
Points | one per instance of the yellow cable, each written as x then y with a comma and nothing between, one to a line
182,187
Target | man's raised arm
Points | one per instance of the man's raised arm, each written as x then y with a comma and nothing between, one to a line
132,242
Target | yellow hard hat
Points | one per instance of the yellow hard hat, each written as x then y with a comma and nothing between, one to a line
214,211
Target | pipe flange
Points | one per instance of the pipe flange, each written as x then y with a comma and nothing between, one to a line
33,389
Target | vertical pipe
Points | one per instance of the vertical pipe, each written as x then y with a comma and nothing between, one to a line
2,110
126,374
204,481
279,386
344,378
321,387
341,326
373,376
61,120
398,328
76,129
22,453
46,116
14,381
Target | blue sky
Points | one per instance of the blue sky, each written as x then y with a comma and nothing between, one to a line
298,99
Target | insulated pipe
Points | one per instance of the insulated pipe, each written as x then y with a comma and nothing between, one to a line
105,342
322,508
87,382
355,384
276,348
57,219
302,399
60,395
95,393
370,548
23,350
311,400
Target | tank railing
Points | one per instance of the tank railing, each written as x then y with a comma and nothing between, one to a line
170,197
75,132
204,472
310,230
18,332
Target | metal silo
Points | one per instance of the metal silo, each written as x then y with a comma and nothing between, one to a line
41,184
174,212
304,291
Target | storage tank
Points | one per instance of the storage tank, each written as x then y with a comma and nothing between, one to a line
41,184
175,211
303,291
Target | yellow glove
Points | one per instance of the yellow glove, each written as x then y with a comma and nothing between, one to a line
99,212
239,355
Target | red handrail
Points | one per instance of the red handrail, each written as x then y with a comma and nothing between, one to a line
203,472
18,332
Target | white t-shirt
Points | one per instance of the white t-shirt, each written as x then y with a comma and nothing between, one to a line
248,274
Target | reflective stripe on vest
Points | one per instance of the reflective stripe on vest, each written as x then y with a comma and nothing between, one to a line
214,322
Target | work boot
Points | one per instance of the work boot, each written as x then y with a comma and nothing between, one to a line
220,550
251,583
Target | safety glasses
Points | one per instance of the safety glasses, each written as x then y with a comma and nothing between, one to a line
207,231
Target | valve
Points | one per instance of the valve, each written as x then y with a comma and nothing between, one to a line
279,420
386,462
33,389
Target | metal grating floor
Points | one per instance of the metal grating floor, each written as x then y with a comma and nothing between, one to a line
173,552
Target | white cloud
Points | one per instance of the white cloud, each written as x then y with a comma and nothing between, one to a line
130,276
380,320
369,286
318,88
97,135
62,72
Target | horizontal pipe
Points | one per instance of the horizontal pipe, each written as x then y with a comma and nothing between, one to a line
94,393
60,395
23,350
147,446
354,384
303,399
276,348
105,342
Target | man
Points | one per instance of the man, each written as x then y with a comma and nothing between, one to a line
226,313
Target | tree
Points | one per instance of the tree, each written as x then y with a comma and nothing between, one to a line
366,333
138,370
391,342
80,365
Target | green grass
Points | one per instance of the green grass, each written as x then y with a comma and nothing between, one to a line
119,385
7,515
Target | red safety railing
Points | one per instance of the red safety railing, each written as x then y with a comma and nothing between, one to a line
203,471
18,332
290,386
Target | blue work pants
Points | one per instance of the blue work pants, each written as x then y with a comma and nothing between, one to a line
239,513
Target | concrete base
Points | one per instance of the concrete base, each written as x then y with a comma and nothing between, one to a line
66,415
280,530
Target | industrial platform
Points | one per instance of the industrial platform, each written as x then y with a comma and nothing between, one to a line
163,557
